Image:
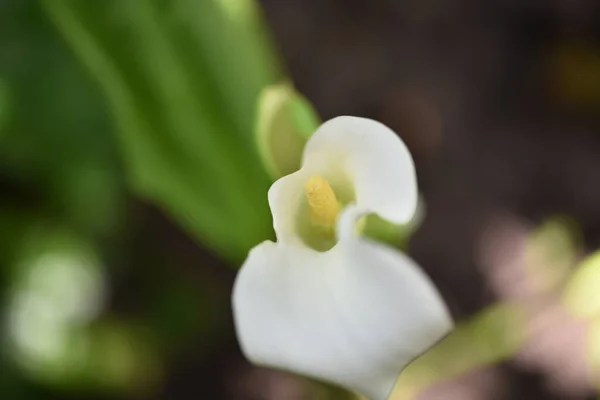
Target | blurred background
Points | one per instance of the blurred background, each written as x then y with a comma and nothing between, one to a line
124,125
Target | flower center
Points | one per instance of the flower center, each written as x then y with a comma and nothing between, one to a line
322,202
317,213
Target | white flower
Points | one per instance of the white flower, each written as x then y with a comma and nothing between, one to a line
324,301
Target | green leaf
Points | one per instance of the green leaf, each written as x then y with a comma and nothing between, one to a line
582,292
285,122
182,78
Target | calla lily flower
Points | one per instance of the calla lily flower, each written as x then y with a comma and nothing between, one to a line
324,301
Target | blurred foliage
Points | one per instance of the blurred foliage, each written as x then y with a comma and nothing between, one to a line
552,250
53,327
182,79
285,122
582,292
594,352
55,128
4,105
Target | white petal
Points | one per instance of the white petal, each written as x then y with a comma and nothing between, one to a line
286,196
372,158
353,316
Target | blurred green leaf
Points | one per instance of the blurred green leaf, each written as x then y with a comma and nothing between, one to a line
551,252
182,80
493,335
57,128
285,121
121,358
182,313
14,226
581,295
88,196
4,106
